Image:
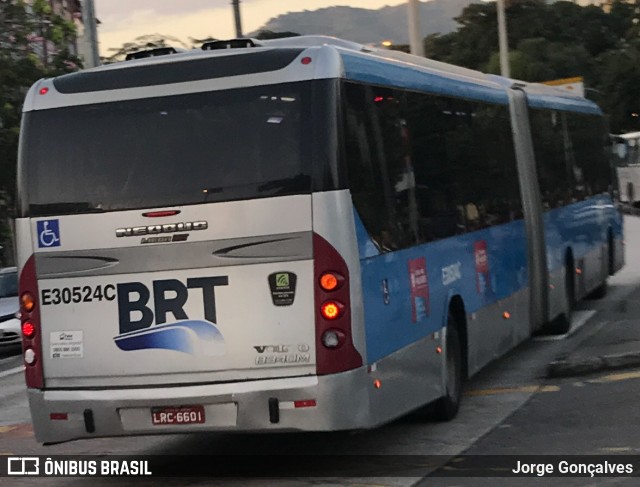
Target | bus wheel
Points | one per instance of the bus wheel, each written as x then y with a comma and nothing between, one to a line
562,323
446,408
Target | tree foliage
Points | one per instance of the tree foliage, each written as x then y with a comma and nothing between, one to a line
34,44
557,40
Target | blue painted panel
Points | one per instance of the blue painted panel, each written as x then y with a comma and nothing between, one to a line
390,327
552,102
367,70
581,226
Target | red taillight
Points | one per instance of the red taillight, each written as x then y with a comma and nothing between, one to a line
58,416
306,60
44,91
332,310
28,330
30,317
335,351
160,214
309,403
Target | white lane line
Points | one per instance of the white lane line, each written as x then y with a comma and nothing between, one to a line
578,320
9,372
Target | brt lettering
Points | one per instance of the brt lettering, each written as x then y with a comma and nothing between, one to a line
169,297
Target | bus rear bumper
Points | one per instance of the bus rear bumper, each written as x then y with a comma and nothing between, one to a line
285,404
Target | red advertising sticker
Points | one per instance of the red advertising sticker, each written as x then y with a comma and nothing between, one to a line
482,266
419,289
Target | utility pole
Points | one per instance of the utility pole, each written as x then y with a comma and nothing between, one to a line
90,36
502,37
236,16
415,38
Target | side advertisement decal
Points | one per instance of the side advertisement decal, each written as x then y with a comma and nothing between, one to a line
483,276
419,289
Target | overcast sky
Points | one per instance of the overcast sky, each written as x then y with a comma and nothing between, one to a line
124,20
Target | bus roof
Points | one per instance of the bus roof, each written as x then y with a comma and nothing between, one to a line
272,61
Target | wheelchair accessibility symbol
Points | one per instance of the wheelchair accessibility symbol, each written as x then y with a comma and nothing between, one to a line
48,233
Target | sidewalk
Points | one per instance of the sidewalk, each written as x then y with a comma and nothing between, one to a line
615,344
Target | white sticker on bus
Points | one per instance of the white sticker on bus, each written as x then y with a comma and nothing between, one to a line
66,344
451,273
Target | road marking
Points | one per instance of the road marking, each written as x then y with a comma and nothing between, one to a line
616,377
22,430
9,372
549,388
617,449
578,320
512,390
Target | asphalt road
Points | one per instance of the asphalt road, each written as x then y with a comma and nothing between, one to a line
509,409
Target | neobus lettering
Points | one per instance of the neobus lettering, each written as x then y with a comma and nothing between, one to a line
134,296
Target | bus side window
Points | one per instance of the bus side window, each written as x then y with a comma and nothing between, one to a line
377,151
364,172
461,150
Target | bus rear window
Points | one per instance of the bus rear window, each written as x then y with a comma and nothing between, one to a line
166,151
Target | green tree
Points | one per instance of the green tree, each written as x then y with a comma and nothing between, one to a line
34,44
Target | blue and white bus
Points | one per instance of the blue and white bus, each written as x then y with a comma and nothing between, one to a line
304,234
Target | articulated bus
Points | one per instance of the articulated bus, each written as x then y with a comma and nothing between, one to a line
626,157
304,234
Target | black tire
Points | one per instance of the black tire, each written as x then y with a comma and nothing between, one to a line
562,324
601,291
446,408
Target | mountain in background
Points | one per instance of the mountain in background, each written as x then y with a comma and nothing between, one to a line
370,26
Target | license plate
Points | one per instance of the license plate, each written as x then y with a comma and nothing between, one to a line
177,415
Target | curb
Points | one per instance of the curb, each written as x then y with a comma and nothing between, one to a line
569,368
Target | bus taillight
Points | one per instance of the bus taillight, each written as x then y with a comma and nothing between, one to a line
27,302
30,318
332,310
28,330
335,351
330,281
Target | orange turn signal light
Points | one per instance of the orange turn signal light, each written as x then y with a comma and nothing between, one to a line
330,281
28,302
